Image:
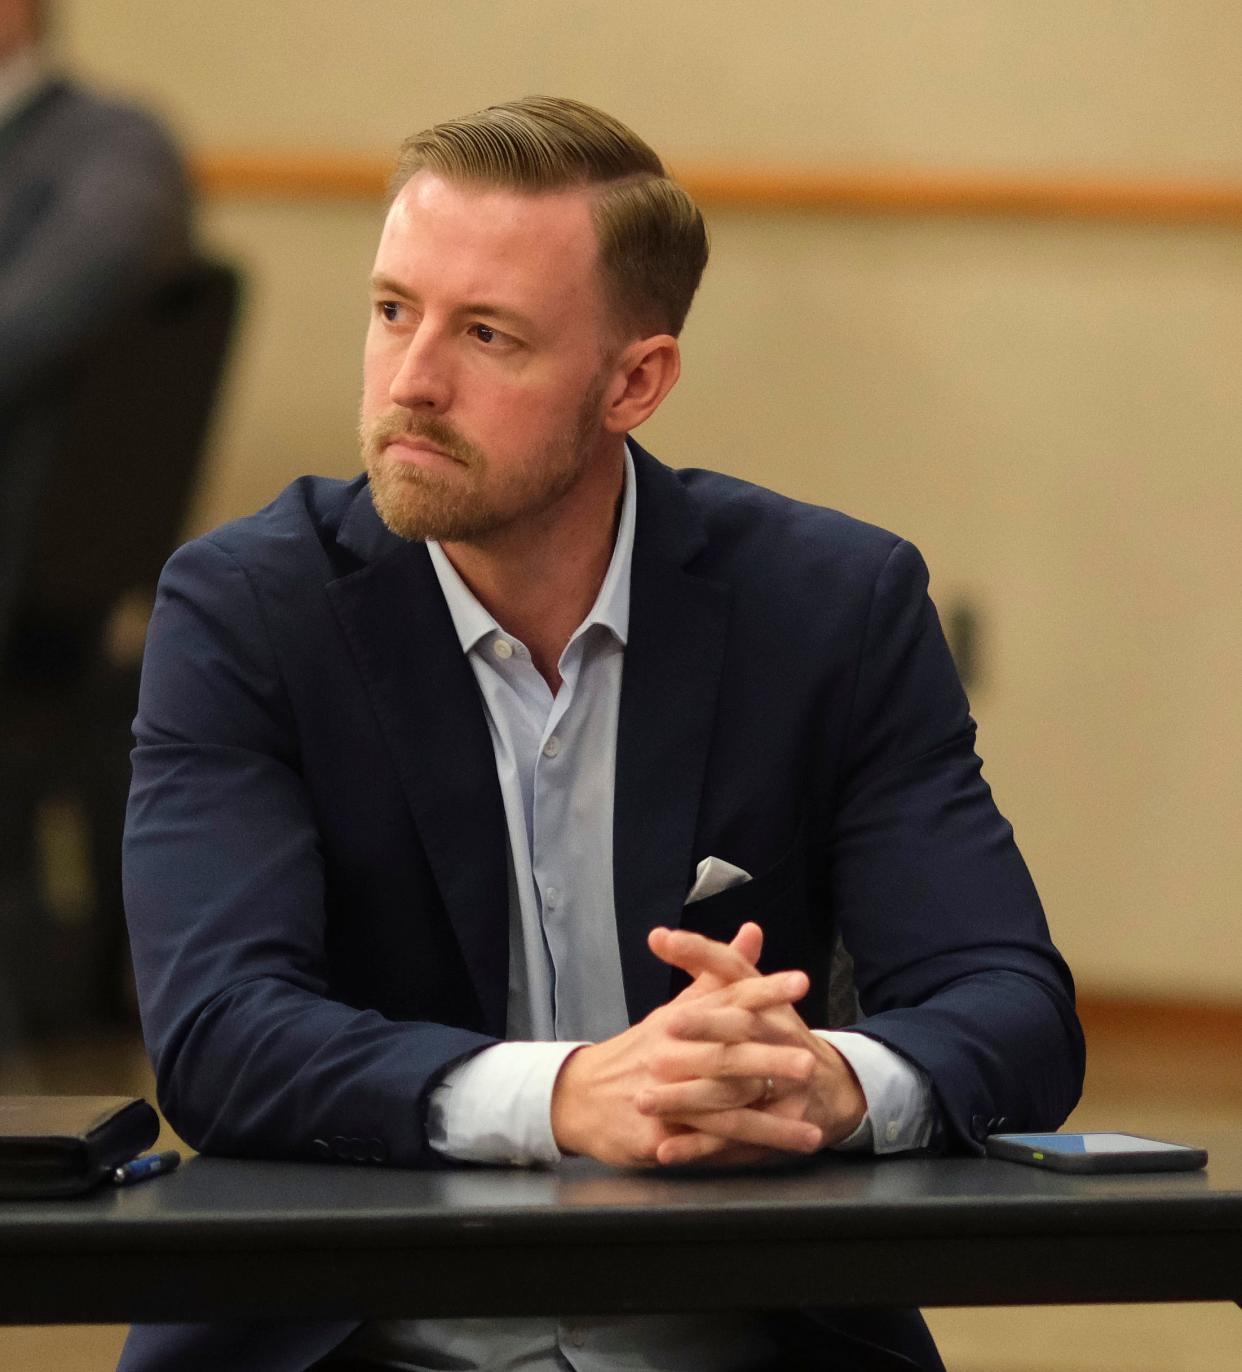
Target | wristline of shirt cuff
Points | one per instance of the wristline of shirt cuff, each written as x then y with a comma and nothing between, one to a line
900,1113
497,1106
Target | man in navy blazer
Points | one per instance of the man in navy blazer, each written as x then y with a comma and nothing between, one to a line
330,856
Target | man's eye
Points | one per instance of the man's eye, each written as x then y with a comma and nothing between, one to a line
389,308
484,333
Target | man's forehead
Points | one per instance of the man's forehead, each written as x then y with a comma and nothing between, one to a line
468,247
492,220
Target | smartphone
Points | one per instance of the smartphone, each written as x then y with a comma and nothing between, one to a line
1095,1152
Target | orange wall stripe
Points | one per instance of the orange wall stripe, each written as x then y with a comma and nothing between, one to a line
292,177
1182,1022
270,175
921,194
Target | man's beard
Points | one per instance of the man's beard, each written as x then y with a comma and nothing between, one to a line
418,504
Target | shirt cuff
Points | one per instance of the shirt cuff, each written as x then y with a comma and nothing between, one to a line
900,1114
497,1106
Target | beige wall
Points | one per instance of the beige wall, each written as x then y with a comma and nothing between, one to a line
1051,411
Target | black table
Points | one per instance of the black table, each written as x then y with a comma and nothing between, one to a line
223,1239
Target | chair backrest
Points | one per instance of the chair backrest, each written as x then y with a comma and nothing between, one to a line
130,430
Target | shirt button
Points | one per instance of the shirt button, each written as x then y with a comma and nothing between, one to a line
891,1131
503,649
550,897
552,747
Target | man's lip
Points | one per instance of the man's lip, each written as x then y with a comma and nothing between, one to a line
419,445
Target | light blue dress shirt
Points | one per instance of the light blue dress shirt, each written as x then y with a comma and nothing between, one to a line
556,764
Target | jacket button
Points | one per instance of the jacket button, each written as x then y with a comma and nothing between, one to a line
978,1127
358,1150
379,1153
321,1149
340,1147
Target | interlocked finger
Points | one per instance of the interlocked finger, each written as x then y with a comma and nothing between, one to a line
728,1024
712,1024
697,955
692,1147
684,1098
715,1060
781,989
763,1129
747,944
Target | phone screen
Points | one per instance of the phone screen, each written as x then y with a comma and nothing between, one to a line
1094,1143
1086,1153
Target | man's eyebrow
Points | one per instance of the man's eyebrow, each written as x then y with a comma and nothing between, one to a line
506,316
389,285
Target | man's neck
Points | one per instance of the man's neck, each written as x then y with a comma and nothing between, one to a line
540,580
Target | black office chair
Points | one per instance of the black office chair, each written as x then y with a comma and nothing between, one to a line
131,424
95,503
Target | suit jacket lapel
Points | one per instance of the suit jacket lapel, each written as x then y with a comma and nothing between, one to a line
673,661
401,634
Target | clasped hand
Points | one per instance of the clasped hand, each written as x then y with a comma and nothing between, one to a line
726,1073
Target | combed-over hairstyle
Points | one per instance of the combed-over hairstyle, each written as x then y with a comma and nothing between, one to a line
652,240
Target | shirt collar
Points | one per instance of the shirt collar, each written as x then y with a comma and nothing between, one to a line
474,622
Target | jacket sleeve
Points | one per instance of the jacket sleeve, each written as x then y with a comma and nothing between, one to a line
224,892
953,961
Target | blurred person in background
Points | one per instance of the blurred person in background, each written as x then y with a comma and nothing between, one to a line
95,214
95,207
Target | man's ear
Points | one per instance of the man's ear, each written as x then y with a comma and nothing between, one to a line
644,373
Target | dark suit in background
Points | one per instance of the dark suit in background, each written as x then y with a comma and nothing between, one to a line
94,217
315,851
94,214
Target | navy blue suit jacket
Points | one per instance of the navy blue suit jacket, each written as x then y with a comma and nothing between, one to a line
315,849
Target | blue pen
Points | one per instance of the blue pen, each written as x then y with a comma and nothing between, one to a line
150,1165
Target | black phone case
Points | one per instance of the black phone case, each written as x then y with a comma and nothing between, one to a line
62,1145
1185,1160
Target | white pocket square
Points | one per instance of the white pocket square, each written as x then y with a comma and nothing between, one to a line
714,875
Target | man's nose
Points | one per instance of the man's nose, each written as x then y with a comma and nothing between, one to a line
422,381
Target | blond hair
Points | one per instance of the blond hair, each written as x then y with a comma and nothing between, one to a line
652,240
